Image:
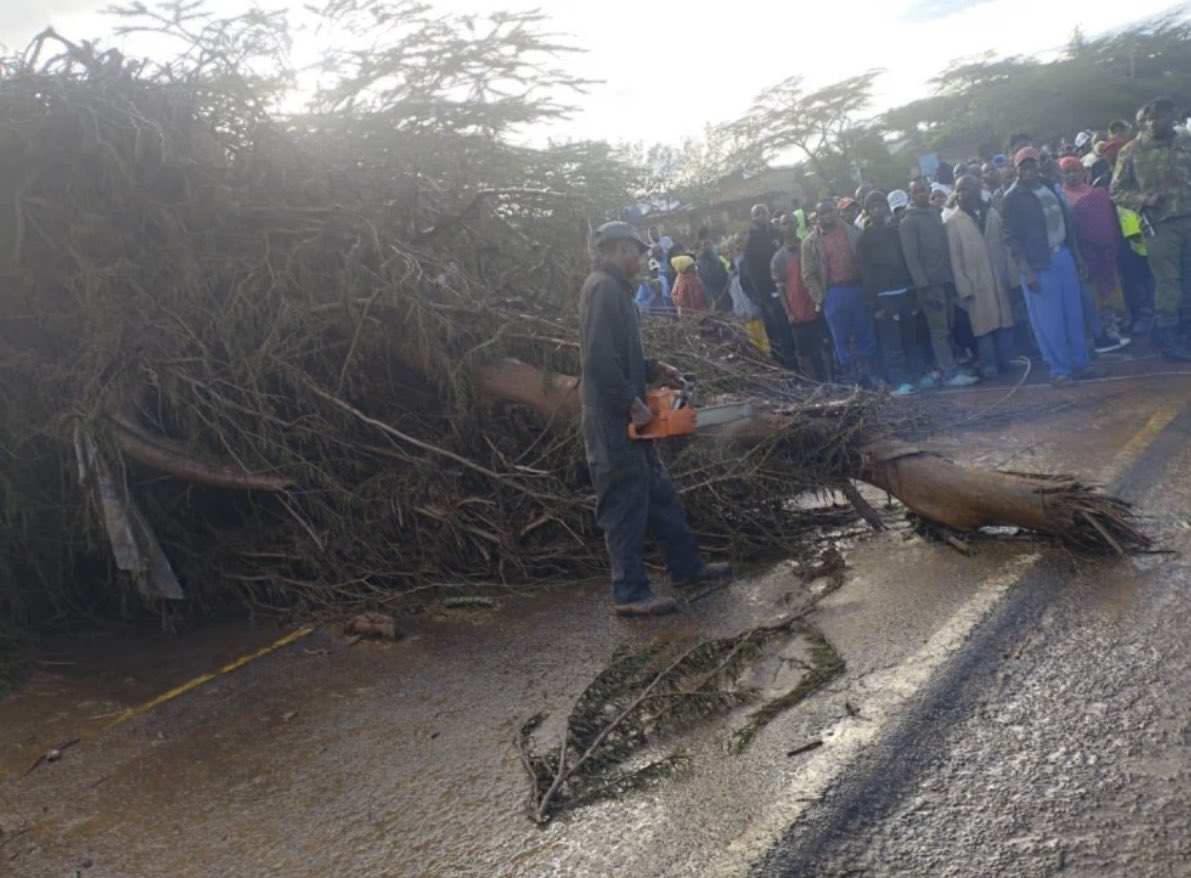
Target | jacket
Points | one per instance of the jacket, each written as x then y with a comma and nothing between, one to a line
689,294
759,248
799,304
924,244
815,273
1024,228
981,270
1146,167
882,262
714,275
613,367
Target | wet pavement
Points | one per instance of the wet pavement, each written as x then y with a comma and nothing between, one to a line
1007,713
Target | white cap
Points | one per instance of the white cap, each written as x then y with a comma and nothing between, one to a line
898,199
1082,138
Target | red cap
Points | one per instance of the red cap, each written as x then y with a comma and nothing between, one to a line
1070,162
1026,152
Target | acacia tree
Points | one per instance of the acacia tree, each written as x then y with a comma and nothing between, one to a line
822,125
982,100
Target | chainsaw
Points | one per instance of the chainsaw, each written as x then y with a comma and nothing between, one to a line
675,412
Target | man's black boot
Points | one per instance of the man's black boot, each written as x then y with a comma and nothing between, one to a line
710,573
654,605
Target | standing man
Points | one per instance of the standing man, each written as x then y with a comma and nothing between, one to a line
760,246
1153,177
633,489
1041,238
890,291
928,256
981,271
806,321
714,275
831,273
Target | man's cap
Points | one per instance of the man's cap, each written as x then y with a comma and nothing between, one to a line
845,202
1082,138
999,160
1024,154
1070,163
898,199
619,231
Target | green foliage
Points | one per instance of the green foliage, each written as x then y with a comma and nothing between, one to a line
1095,81
821,125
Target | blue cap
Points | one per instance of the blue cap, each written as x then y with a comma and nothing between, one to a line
999,161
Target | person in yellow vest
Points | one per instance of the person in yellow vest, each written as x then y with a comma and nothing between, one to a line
1133,263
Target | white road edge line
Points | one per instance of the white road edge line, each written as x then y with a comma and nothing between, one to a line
888,694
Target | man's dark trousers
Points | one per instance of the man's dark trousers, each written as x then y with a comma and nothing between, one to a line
634,495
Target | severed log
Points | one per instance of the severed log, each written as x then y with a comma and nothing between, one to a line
172,458
927,484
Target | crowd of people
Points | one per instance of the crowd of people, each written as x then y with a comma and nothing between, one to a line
1054,249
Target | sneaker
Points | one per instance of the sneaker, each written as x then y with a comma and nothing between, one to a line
654,605
961,379
903,390
710,573
927,382
1106,344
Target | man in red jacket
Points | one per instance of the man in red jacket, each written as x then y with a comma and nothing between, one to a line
811,339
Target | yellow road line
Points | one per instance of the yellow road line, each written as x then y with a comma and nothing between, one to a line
1141,441
134,712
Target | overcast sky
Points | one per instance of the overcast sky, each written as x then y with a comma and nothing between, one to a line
669,70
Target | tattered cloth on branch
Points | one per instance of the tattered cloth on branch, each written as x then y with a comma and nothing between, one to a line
292,390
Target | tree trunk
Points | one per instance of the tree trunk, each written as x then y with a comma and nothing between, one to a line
927,484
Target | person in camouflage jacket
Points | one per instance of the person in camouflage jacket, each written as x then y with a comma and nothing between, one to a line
1153,177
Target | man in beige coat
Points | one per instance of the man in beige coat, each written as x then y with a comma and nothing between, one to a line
981,269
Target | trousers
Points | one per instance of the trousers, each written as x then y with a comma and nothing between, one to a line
849,318
939,309
996,349
635,497
902,357
812,340
1170,260
777,327
1056,314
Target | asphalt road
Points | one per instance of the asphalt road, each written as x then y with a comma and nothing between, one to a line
1009,713
1057,742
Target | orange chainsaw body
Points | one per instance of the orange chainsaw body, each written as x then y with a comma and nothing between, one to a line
672,415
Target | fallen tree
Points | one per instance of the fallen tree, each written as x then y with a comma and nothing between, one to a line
928,484
325,359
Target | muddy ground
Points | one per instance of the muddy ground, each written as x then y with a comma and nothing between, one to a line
397,759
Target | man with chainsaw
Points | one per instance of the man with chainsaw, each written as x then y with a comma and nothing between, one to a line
634,493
